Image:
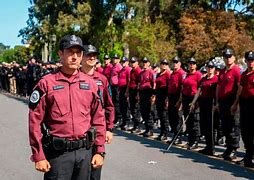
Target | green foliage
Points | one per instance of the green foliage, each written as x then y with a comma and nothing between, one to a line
155,28
20,54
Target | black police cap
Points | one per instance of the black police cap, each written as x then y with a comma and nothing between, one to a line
88,49
210,64
249,55
192,60
155,65
228,52
106,56
145,59
133,59
116,56
176,59
69,41
124,59
164,61
203,69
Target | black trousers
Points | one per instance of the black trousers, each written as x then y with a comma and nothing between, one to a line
247,124
173,115
161,95
192,124
134,106
96,174
230,125
206,120
115,99
145,107
69,165
123,103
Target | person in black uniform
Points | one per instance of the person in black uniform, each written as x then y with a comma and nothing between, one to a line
246,103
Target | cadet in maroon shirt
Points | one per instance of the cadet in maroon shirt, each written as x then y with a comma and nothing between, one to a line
107,68
206,101
58,102
123,81
246,107
146,93
228,85
189,89
161,95
132,91
114,74
174,90
88,67
98,67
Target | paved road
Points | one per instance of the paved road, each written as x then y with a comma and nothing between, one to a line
130,157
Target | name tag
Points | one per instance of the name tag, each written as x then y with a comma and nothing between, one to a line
99,83
84,86
58,87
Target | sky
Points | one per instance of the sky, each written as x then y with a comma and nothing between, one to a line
13,17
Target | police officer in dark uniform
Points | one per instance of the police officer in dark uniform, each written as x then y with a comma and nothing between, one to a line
189,89
227,101
70,123
174,86
246,106
146,95
132,91
161,96
206,101
88,67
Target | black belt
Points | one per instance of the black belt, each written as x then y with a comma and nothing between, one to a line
62,144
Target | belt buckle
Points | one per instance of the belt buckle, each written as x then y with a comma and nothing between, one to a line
74,144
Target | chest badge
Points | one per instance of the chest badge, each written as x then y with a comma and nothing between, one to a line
84,86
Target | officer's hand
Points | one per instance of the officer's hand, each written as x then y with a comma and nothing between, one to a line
42,166
178,105
137,98
233,109
216,108
153,98
97,161
109,137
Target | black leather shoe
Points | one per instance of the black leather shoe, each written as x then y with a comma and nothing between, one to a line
123,128
192,146
246,163
207,151
148,134
229,155
161,138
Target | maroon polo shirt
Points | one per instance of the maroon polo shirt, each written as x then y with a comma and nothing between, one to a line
162,79
191,83
208,87
134,75
247,83
146,79
175,81
69,106
104,93
107,71
228,82
114,74
124,76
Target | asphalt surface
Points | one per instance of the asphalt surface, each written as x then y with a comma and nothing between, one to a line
129,157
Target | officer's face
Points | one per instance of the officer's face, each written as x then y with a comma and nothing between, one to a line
89,59
163,66
146,64
250,64
229,60
177,65
71,58
192,66
210,69
107,61
116,60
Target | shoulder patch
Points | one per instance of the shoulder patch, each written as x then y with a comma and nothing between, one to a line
35,98
84,86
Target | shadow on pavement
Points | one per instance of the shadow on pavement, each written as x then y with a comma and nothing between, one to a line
212,163
19,98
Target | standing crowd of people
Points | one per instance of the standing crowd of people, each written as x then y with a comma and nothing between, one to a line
75,104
